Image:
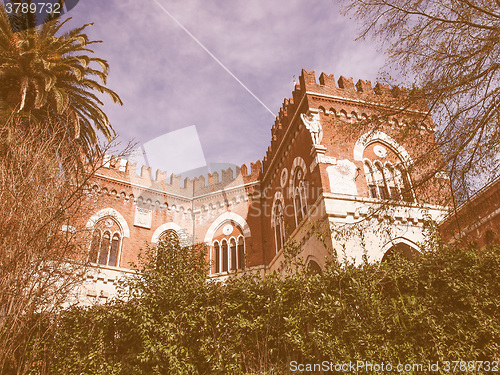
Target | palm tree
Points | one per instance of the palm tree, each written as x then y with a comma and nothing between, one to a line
47,76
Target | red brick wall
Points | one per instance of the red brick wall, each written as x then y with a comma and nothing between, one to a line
344,108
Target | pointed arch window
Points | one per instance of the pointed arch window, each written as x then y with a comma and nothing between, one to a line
104,251
241,253
169,235
388,181
234,257
370,179
393,186
225,256
113,253
381,181
106,243
217,256
228,254
94,247
406,189
299,195
279,225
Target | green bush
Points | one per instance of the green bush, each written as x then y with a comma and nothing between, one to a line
169,319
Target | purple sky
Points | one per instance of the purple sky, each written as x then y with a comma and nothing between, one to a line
168,82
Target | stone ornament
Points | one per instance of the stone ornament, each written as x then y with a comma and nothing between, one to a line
284,177
312,123
380,151
143,217
327,159
227,229
342,177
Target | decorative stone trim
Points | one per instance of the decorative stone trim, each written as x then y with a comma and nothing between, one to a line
113,213
183,238
377,135
227,216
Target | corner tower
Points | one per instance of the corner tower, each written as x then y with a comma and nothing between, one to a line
351,168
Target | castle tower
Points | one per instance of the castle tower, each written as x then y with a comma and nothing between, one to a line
348,171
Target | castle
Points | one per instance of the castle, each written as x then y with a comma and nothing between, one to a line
334,160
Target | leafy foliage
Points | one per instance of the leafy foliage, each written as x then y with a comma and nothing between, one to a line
449,50
49,76
170,319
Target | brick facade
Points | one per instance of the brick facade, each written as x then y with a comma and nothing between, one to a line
316,170
477,221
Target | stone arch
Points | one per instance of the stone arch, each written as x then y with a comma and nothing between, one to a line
313,264
227,216
112,213
408,248
297,162
183,238
377,135
277,196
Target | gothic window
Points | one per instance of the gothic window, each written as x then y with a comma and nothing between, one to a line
388,181
225,256
94,247
393,187
227,247
241,253
279,225
381,181
406,190
299,195
105,245
228,254
169,235
232,246
370,179
217,256
113,253
104,250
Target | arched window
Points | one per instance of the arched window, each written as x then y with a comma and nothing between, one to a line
380,181
169,235
388,181
94,247
106,243
299,195
104,250
234,256
225,256
227,250
217,256
241,253
279,225
113,254
372,187
406,190
228,255
394,189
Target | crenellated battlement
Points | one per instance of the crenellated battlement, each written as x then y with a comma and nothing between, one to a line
346,88
126,171
327,96
337,97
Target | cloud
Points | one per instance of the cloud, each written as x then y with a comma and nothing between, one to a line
167,82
